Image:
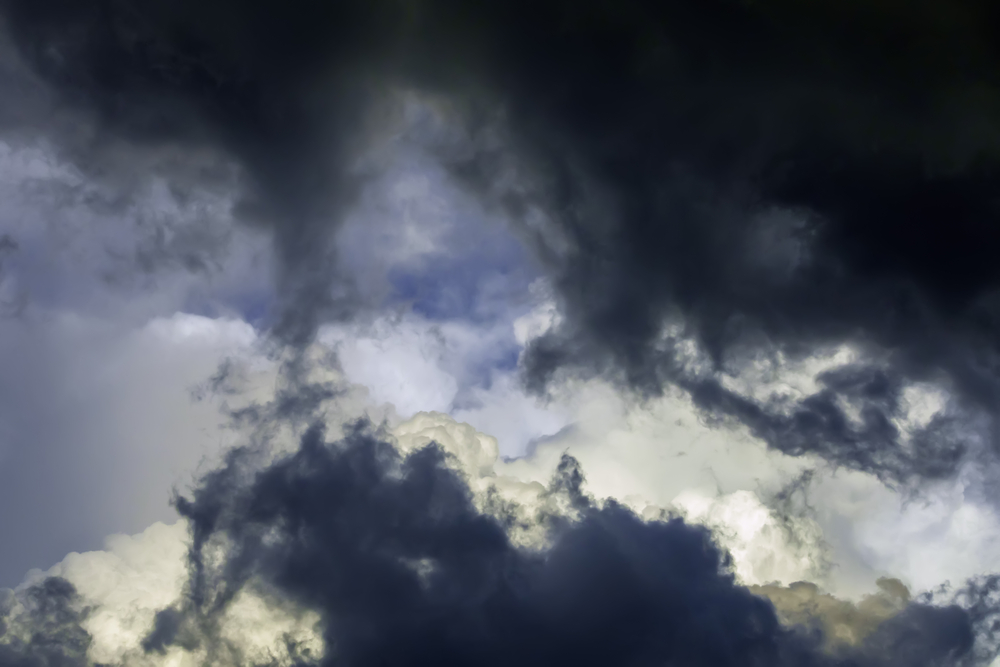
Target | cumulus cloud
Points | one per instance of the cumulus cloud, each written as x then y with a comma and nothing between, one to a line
740,255
42,627
803,603
404,546
658,460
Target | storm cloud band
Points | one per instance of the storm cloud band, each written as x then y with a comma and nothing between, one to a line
391,553
771,176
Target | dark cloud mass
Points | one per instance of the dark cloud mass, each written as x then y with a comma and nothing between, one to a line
714,187
274,86
770,176
46,631
402,569
399,567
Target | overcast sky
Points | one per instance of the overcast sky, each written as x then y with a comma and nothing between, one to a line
468,333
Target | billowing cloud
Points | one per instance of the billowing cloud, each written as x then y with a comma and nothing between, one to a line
410,546
757,180
393,554
738,254
42,627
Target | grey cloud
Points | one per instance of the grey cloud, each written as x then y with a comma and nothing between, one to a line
769,178
335,527
840,621
772,176
388,554
46,630
183,78
10,304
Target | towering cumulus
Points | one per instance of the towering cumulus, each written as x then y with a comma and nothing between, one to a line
780,219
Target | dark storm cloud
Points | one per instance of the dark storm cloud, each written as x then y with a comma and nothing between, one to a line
821,423
277,87
46,632
402,569
770,175
391,554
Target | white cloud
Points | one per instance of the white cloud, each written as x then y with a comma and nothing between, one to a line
652,458
136,576
422,366
400,364
129,581
97,421
765,547
945,533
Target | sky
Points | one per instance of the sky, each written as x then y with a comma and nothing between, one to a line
407,332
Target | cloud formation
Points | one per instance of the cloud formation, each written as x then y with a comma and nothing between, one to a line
759,180
382,547
781,215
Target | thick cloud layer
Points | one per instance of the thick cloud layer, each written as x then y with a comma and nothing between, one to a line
395,548
786,211
402,568
186,89
758,180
